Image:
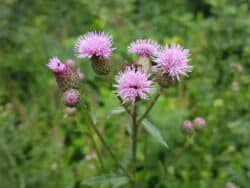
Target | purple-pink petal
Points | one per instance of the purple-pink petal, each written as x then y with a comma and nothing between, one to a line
56,65
173,60
94,44
132,83
143,47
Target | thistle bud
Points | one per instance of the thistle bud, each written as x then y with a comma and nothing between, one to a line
66,77
231,185
71,97
163,79
187,127
100,65
69,79
199,123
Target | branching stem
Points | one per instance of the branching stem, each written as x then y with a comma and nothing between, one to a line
150,106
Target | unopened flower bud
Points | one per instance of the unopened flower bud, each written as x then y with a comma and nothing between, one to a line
187,127
163,79
69,79
199,123
100,65
71,97
230,185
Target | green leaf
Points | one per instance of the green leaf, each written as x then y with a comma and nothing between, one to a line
116,110
154,132
114,180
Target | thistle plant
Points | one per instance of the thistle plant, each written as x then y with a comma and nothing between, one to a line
134,83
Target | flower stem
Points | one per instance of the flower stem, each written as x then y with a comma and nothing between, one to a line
96,149
94,144
189,141
150,106
134,143
108,148
124,106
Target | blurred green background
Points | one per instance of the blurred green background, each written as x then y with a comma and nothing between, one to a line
42,147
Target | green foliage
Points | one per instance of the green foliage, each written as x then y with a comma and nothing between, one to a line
40,146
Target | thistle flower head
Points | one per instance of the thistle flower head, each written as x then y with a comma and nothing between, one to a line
231,185
71,97
199,123
57,66
94,44
187,127
66,75
133,83
143,47
173,60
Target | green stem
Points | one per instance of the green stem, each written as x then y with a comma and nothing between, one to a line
150,106
96,149
124,106
189,141
106,145
134,143
93,143
145,153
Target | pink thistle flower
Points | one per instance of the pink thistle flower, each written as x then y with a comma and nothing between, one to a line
231,185
173,60
66,77
199,123
143,47
57,66
71,97
94,44
187,127
133,83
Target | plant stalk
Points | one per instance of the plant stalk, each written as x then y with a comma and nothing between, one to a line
150,106
134,143
124,106
96,149
93,143
108,148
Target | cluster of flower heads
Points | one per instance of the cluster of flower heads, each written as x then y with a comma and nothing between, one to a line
161,64
189,127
